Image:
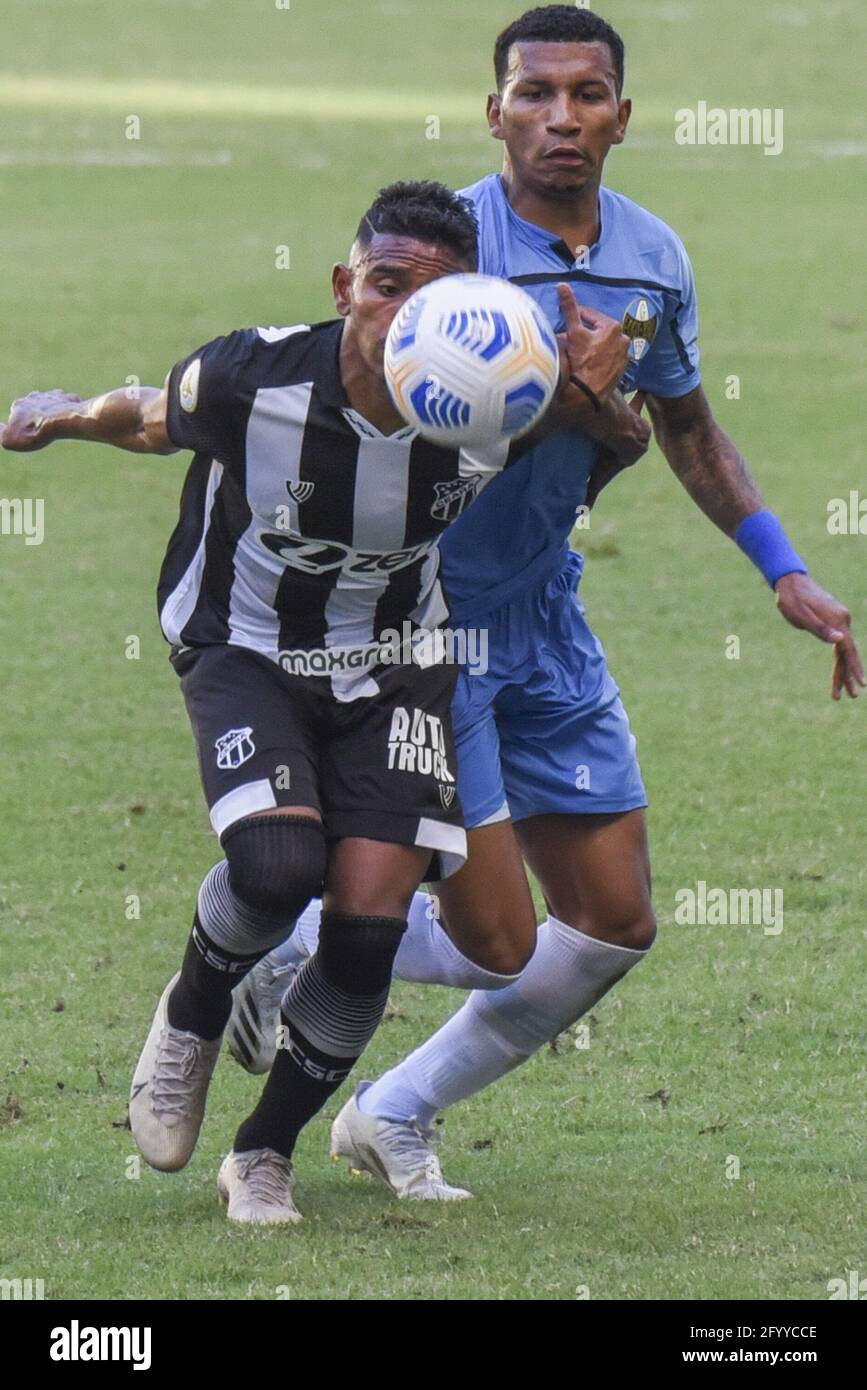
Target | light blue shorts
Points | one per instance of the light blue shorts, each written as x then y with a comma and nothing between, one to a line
543,730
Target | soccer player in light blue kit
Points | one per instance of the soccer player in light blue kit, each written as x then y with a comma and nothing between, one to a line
547,766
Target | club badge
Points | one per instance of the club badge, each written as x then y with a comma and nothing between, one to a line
639,324
453,497
234,748
189,387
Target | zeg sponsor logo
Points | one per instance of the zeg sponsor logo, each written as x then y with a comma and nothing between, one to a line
319,557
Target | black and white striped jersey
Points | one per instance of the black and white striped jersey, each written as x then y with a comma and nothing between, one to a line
304,533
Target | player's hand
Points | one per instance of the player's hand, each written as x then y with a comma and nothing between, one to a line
595,347
30,419
805,604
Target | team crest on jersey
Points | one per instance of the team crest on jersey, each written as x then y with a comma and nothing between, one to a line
300,491
447,796
234,748
189,387
453,497
640,324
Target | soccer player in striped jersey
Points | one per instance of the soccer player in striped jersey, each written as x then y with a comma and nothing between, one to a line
308,530
547,764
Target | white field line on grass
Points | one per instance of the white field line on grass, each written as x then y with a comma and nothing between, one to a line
49,91
235,99
653,128
113,159
310,160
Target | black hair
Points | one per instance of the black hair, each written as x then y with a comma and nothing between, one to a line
426,211
558,24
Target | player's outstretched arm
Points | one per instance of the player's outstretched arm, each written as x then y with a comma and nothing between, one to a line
132,418
718,480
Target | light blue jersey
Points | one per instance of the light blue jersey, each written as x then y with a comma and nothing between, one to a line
514,536
544,731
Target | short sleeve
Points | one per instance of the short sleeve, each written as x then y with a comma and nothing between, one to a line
671,365
208,399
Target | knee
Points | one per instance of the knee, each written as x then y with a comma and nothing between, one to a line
503,947
635,930
276,863
507,957
357,952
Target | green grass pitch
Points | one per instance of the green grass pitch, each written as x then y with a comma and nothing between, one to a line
601,1169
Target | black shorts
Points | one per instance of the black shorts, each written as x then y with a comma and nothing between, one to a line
382,767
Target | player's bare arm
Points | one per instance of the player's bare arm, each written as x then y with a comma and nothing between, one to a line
704,458
719,482
132,418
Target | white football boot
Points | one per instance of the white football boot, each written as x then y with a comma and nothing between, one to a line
401,1154
257,1185
251,1033
169,1089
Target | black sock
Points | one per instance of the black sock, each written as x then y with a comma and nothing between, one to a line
299,1083
331,1011
201,1001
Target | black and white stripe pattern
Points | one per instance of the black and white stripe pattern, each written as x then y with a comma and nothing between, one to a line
230,923
302,527
336,1023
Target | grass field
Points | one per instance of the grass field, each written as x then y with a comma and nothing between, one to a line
602,1168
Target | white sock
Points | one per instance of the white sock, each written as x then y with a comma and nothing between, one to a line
494,1032
426,955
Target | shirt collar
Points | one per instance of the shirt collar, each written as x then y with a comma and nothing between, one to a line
540,236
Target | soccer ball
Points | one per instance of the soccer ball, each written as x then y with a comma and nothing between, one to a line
471,360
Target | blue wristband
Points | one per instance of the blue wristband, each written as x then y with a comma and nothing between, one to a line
761,536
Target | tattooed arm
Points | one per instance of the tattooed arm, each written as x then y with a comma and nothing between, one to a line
704,458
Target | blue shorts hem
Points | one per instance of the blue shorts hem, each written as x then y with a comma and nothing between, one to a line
594,808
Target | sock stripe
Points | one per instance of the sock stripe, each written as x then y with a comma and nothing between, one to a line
229,922
337,1023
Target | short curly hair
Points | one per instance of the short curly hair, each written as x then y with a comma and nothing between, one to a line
558,24
427,211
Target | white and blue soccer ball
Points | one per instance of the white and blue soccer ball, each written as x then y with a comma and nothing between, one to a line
471,360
